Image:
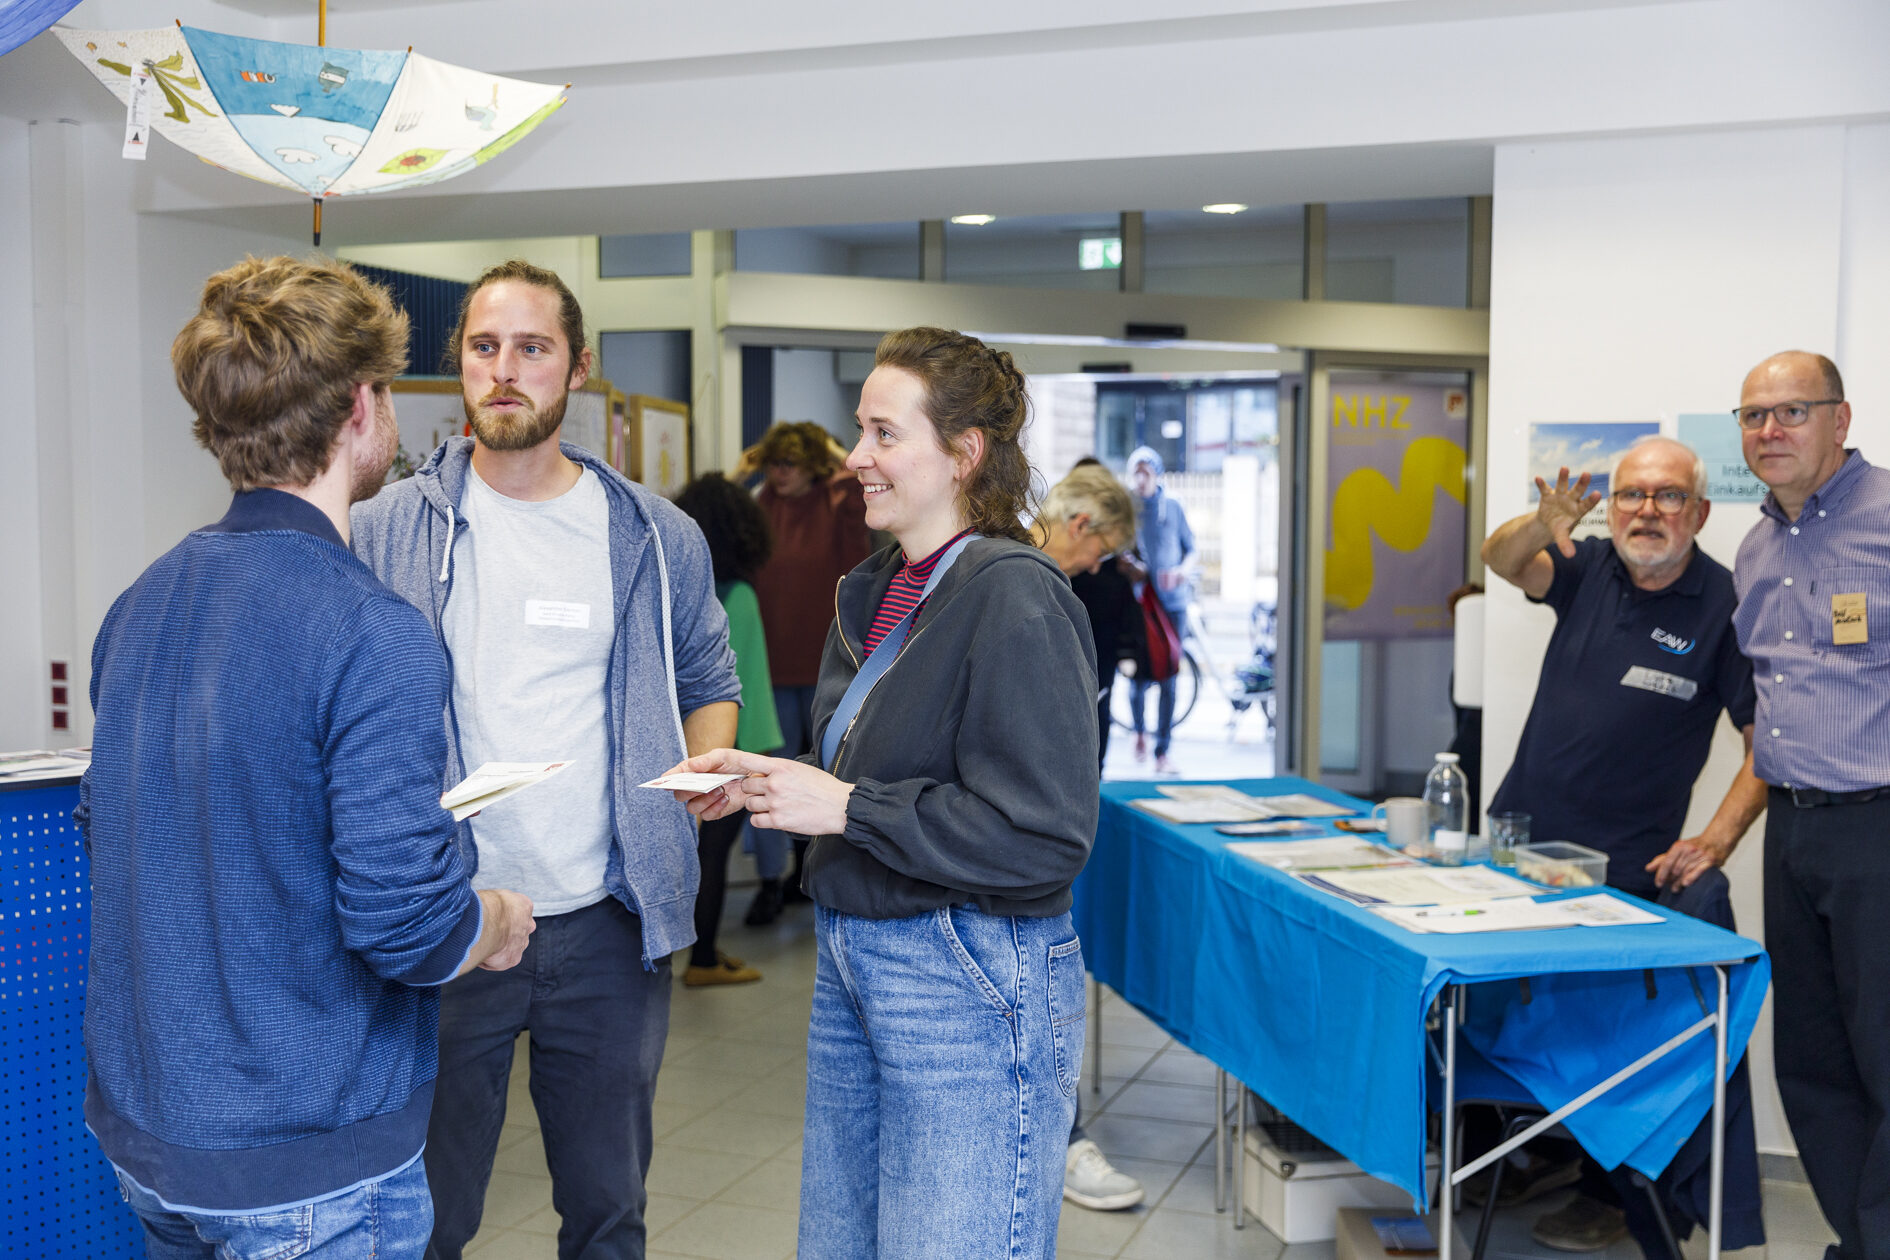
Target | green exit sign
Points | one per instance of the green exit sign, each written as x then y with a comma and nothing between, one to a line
1099,253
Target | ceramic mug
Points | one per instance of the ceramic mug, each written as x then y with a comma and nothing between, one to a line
1406,822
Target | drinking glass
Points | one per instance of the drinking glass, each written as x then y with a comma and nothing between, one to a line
1506,832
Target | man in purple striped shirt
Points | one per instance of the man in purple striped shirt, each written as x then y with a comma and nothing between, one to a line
1811,576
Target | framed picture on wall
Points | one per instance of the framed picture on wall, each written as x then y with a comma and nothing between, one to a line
428,410
659,443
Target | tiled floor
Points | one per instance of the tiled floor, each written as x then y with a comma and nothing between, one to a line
725,1179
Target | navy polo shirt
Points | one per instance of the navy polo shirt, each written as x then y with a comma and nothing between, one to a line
1631,688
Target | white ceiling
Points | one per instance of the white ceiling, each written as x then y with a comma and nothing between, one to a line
751,113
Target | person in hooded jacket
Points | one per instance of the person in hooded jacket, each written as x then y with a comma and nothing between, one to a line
952,796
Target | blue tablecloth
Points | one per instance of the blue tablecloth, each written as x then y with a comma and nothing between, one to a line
1319,1004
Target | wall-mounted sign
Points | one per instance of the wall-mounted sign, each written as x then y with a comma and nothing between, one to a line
1714,437
1099,253
1583,447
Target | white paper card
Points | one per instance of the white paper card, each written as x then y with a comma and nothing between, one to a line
493,782
554,612
697,783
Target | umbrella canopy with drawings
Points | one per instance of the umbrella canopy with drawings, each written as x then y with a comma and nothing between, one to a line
327,122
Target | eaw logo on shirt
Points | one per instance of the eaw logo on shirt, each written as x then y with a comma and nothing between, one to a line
1672,642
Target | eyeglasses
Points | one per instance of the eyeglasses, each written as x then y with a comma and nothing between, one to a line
1667,502
1790,414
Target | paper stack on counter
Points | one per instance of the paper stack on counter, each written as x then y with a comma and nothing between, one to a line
1218,803
1418,885
493,782
1515,914
1327,853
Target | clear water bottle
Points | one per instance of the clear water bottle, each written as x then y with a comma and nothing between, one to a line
1447,805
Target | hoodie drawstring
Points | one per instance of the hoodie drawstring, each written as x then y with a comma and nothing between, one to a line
669,647
446,561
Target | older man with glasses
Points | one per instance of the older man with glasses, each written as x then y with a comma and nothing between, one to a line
1812,575
1642,663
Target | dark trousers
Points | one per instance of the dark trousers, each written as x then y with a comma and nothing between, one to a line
713,841
1827,927
597,1020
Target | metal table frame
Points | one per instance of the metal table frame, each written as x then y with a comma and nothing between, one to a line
1449,1007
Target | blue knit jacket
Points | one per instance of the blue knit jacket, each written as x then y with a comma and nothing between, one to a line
274,883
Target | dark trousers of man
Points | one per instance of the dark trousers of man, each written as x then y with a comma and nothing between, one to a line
598,1021
1827,927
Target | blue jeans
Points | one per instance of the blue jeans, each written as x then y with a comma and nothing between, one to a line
794,709
598,1021
942,1062
387,1219
1164,710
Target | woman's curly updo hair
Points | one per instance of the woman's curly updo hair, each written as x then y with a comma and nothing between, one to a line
968,385
801,443
732,523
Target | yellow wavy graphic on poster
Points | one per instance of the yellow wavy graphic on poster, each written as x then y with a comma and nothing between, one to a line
1367,503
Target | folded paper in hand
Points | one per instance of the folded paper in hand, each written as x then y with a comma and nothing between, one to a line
493,782
686,782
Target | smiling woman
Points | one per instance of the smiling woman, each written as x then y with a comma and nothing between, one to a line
950,810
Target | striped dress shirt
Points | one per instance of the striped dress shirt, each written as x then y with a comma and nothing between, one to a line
1823,718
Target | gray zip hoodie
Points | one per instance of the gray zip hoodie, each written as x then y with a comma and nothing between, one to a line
661,579
973,759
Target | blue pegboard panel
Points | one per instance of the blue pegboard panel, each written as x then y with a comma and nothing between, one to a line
57,1194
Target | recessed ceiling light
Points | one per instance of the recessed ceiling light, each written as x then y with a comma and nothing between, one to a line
973,220
1224,207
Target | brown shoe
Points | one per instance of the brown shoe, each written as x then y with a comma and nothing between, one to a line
1584,1225
726,971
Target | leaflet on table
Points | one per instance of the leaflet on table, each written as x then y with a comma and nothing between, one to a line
1219,803
493,782
1419,885
1327,853
1511,914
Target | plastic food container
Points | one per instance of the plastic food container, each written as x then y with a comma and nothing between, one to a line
1560,864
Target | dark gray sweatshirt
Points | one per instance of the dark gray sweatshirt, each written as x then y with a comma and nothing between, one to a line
973,760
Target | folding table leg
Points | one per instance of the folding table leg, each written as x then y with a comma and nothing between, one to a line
1715,1204
1445,1155
1240,1154
1095,1035
1220,1139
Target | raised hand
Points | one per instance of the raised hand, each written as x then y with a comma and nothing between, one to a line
1562,507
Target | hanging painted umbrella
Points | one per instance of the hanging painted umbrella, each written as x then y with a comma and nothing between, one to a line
20,20
327,122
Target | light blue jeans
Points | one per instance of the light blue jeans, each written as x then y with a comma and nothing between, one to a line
387,1219
942,1063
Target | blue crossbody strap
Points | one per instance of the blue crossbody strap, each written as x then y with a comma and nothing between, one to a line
880,659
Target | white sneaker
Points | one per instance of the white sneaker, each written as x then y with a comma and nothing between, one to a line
1089,1180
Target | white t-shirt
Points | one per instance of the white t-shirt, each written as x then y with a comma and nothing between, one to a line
529,622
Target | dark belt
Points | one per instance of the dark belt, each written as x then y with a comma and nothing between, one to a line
1809,798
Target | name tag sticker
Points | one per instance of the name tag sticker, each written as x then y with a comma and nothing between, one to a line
1850,623
552,612
1660,683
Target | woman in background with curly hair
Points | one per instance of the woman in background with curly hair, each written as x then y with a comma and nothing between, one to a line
952,798
739,542
816,513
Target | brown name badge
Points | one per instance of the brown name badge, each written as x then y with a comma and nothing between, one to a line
1849,621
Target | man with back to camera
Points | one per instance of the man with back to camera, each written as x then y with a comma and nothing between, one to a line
275,888
1813,575
1642,662
579,617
